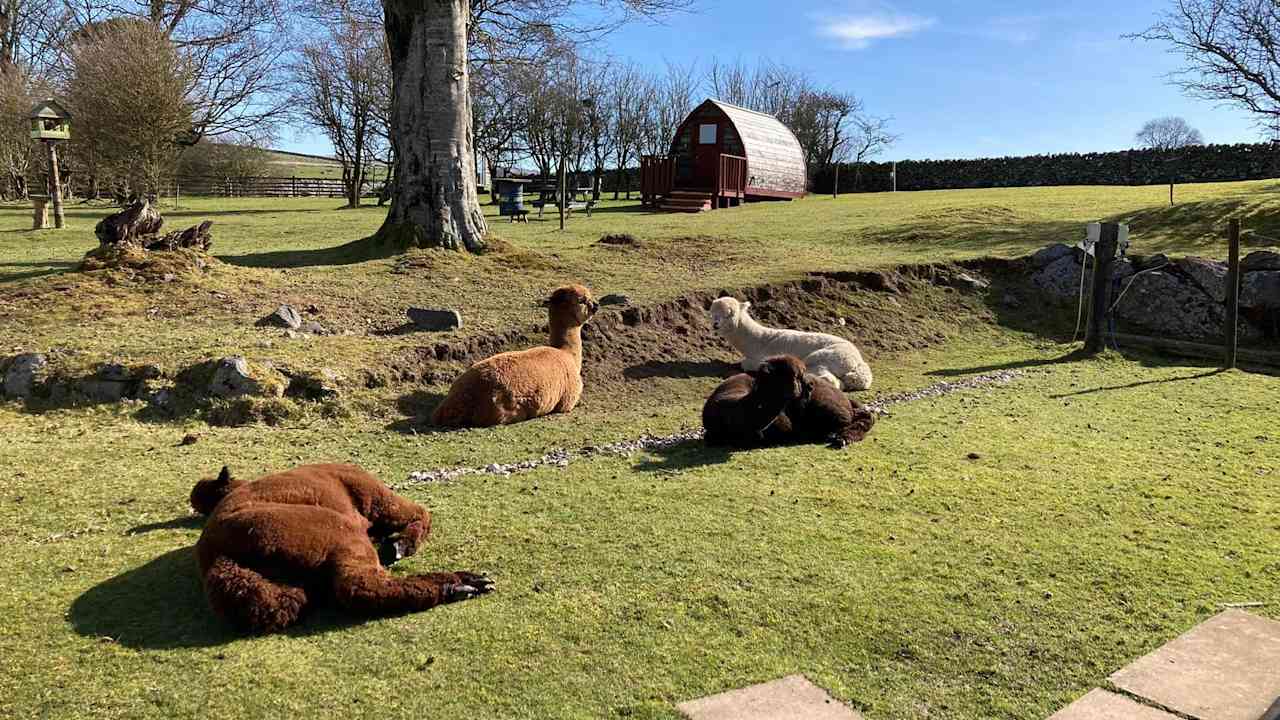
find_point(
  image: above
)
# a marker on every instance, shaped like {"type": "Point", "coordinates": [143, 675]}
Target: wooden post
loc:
{"type": "Point", "coordinates": [56, 181]}
{"type": "Point", "coordinates": [563, 188]}
{"type": "Point", "coordinates": [835, 184]}
{"type": "Point", "coordinates": [39, 212]}
{"type": "Point", "coordinates": [1231, 324]}
{"type": "Point", "coordinates": [1104, 257]}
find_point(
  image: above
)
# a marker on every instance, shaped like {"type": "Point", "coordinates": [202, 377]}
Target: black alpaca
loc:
{"type": "Point", "coordinates": [743, 408]}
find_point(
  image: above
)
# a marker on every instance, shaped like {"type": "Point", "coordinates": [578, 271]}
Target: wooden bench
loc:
{"type": "Point", "coordinates": [589, 205]}
{"type": "Point", "coordinates": [516, 216]}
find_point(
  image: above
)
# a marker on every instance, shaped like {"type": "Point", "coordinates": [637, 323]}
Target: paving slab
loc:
{"type": "Point", "coordinates": [791, 698]}
{"type": "Point", "coordinates": [1226, 668]}
{"type": "Point", "coordinates": [1103, 705]}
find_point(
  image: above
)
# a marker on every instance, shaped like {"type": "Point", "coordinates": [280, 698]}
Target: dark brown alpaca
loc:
{"type": "Point", "coordinates": [824, 415]}
{"type": "Point", "coordinates": [742, 408]}
{"type": "Point", "coordinates": [274, 547]}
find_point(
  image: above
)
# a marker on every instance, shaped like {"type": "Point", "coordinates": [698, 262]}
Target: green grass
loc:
{"type": "Point", "coordinates": [281, 164]}
{"type": "Point", "coordinates": [1115, 503]}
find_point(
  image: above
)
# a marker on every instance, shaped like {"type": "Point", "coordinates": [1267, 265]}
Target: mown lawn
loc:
{"type": "Point", "coordinates": [1113, 503]}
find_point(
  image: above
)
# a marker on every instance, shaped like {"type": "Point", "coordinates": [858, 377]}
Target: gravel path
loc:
{"type": "Point", "coordinates": [561, 457]}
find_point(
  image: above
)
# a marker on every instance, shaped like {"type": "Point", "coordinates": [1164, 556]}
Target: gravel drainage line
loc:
{"type": "Point", "coordinates": [561, 457]}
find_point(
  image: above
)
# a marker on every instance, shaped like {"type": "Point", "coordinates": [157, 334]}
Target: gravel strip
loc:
{"type": "Point", "coordinates": [561, 457]}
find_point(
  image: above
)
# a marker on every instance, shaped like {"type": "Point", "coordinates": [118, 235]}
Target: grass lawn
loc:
{"type": "Point", "coordinates": [1112, 505]}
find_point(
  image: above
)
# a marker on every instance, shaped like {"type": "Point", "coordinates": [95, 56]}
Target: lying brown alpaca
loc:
{"type": "Point", "coordinates": [824, 415]}
{"type": "Point", "coordinates": [516, 386]}
{"type": "Point", "coordinates": [744, 407]}
{"type": "Point", "coordinates": [275, 547]}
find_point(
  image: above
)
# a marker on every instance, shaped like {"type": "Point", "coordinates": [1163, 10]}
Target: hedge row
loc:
{"type": "Point", "coordinates": [1208, 163]}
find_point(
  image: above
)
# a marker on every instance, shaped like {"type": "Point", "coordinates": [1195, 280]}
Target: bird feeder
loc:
{"type": "Point", "coordinates": [50, 122]}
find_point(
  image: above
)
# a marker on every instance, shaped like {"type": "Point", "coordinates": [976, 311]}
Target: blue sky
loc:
{"type": "Point", "coordinates": [961, 79]}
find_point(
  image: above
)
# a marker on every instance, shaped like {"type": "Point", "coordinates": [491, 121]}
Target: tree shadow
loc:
{"type": "Point", "coordinates": [351, 253]}
{"type": "Point", "coordinates": [682, 369]}
{"type": "Point", "coordinates": [684, 456]}
{"type": "Point", "coordinates": [1140, 383]}
{"type": "Point", "coordinates": [51, 267]}
{"type": "Point", "coordinates": [1073, 356]}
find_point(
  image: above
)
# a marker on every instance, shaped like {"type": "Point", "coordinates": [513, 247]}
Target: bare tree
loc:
{"type": "Point", "coordinates": [1166, 136]}
{"type": "Point", "coordinates": [339, 83]}
{"type": "Point", "coordinates": [871, 136]}
{"type": "Point", "coordinates": [233, 47]}
{"type": "Point", "coordinates": [1229, 51]}
{"type": "Point", "coordinates": [31, 34]}
{"type": "Point", "coordinates": [670, 98]}
{"type": "Point", "coordinates": [17, 152]}
{"type": "Point", "coordinates": [626, 114]}
{"type": "Point", "coordinates": [130, 122]}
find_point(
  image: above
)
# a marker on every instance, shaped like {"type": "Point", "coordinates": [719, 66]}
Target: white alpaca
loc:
{"type": "Point", "coordinates": [831, 358]}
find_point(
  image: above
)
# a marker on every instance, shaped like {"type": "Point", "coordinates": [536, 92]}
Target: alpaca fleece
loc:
{"type": "Point", "coordinates": [828, 357]}
{"type": "Point", "coordinates": [824, 415]}
{"type": "Point", "coordinates": [741, 409]}
{"type": "Point", "coordinates": [516, 386]}
{"type": "Point", "coordinates": [275, 547]}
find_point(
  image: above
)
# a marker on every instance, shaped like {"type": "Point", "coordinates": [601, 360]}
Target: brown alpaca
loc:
{"type": "Point", "coordinates": [517, 386]}
{"type": "Point", "coordinates": [824, 415]}
{"type": "Point", "coordinates": [744, 407]}
{"type": "Point", "coordinates": [275, 547]}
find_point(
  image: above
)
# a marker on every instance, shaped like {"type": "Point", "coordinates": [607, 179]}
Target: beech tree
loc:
{"type": "Point", "coordinates": [435, 202]}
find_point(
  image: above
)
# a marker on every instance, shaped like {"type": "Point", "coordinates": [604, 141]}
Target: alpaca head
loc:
{"type": "Point", "coordinates": [727, 314]}
{"type": "Point", "coordinates": [573, 304]}
{"type": "Point", "coordinates": [206, 495]}
{"type": "Point", "coordinates": [783, 377]}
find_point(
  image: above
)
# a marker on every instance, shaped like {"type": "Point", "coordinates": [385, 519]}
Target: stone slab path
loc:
{"type": "Point", "coordinates": [791, 698]}
{"type": "Point", "coordinates": [1226, 668]}
{"type": "Point", "coordinates": [1103, 705]}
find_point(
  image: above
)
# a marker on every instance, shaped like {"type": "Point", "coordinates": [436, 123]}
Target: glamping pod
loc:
{"type": "Point", "coordinates": [722, 155]}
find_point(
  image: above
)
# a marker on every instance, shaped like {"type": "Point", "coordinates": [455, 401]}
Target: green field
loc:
{"type": "Point", "coordinates": [1111, 505]}
{"type": "Point", "coordinates": [285, 164]}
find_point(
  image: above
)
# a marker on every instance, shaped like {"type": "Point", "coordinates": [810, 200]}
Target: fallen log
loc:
{"type": "Point", "coordinates": [197, 237]}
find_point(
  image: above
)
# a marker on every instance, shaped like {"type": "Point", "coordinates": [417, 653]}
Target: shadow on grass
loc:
{"type": "Point", "coordinates": [161, 606]}
{"type": "Point", "coordinates": [684, 456]}
{"type": "Point", "coordinates": [680, 369]}
{"type": "Point", "coordinates": [185, 522]}
{"type": "Point", "coordinates": [156, 606]}
{"type": "Point", "coordinates": [1073, 356]}
{"type": "Point", "coordinates": [1141, 383]}
{"type": "Point", "coordinates": [50, 267]}
{"type": "Point", "coordinates": [417, 407]}
{"type": "Point", "coordinates": [356, 251]}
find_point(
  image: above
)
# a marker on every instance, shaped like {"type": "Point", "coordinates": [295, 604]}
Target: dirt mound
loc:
{"type": "Point", "coordinates": [136, 263]}
{"type": "Point", "coordinates": [883, 312]}
{"type": "Point", "coordinates": [622, 239]}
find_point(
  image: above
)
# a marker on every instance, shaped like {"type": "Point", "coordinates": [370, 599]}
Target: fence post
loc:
{"type": "Point", "coordinates": [1231, 324]}
{"type": "Point", "coordinates": [293, 186]}
{"type": "Point", "coordinates": [835, 184]}
{"type": "Point", "coordinates": [1104, 257]}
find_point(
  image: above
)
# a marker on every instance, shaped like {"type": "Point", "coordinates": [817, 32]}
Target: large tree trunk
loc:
{"type": "Point", "coordinates": [434, 201]}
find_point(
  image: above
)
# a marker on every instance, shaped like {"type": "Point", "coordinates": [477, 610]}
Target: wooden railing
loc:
{"type": "Point", "coordinates": [657, 177]}
{"type": "Point", "coordinates": [731, 176]}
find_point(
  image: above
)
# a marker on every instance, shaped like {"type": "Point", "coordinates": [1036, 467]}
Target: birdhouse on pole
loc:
{"type": "Point", "coordinates": [50, 121]}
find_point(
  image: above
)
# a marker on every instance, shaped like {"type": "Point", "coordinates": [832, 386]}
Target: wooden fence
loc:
{"type": "Point", "coordinates": [267, 187]}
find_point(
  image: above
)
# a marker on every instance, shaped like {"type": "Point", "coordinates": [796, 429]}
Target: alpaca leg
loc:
{"type": "Point", "coordinates": [856, 430]}
{"type": "Point", "coordinates": [251, 601]}
{"type": "Point", "coordinates": [361, 585]}
{"type": "Point", "coordinates": [859, 378]}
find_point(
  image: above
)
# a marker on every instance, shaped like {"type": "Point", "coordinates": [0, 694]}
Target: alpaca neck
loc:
{"type": "Point", "coordinates": [748, 327]}
{"type": "Point", "coordinates": [767, 411]}
{"type": "Point", "coordinates": [567, 337]}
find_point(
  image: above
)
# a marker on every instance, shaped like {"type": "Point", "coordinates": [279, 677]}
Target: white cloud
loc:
{"type": "Point", "coordinates": [855, 32]}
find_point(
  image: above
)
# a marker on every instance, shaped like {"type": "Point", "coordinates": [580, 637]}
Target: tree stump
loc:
{"type": "Point", "coordinates": [197, 237]}
{"type": "Point", "coordinates": [130, 225]}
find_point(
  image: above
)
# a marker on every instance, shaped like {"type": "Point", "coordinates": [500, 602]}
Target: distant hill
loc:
{"type": "Point", "coordinates": [283, 163]}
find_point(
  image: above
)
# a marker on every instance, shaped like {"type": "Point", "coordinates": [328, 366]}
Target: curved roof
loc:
{"type": "Point", "coordinates": [775, 159]}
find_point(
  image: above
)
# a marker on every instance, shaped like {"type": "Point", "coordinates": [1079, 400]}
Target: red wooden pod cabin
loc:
{"type": "Point", "coordinates": [722, 155]}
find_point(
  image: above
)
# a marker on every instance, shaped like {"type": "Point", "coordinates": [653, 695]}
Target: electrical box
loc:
{"type": "Point", "coordinates": [1093, 233]}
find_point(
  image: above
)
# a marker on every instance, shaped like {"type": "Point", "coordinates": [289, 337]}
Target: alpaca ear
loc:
{"type": "Point", "coordinates": [225, 475]}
